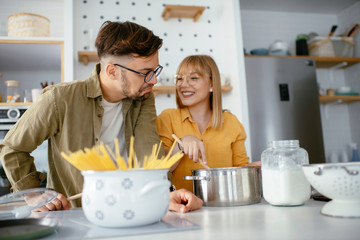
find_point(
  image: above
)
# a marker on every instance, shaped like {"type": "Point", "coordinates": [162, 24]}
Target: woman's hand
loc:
{"type": "Point", "coordinates": [183, 201]}
{"type": "Point", "coordinates": [59, 203]}
{"type": "Point", "coordinates": [253, 164]}
{"type": "Point", "coordinates": [194, 148]}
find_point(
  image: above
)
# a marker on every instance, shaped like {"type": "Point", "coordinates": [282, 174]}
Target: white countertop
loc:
{"type": "Point", "coordinates": [257, 221]}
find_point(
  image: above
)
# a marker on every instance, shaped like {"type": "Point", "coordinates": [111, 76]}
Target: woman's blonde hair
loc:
{"type": "Point", "coordinates": [205, 65]}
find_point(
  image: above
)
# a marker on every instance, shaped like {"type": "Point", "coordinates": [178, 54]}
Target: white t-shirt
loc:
{"type": "Point", "coordinates": [113, 126]}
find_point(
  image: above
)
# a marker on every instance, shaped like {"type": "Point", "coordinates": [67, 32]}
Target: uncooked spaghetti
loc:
{"type": "Point", "coordinates": [101, 158]}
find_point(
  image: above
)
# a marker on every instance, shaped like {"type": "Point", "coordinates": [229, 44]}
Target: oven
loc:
{"type": "Point", "coordinates": [9, 115]}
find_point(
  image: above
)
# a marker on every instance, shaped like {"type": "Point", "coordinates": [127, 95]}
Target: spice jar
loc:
{"type": "Point", "coordinates": [284, 182]}
{"type": "Point", "coordinates": [12, 91]}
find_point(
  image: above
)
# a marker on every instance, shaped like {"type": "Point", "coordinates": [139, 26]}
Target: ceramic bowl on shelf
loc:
{"type": "Point", "coordinates": [125, 198]}
{"type": "Point", "coordinates": [343, 89]}
{"type": "Point", "coordinates": [341, 183]}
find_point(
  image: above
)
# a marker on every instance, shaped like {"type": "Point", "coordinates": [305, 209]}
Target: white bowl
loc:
{"type": "Point", "coordinates": [125, 198]}
{"type": "Point", "coordinates": [341, 183]}
{"type": "Point", "coordinates": [343, 89]}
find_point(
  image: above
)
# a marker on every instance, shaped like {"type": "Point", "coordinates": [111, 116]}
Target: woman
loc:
{"type": "Point", "coordinates": [206, 131]}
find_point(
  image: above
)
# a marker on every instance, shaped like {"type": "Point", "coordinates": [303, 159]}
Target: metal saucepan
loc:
{"type": "Point", "coordinates": [229, 186]}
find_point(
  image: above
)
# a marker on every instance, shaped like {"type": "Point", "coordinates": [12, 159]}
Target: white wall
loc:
{"type": "Point", "coordinates": [53, 10]}
{"type": "Point", "coordinates": [261, 28]}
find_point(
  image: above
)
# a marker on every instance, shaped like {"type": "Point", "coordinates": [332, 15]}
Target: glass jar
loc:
{"type": "Point", "coordinates": [12, 91]}
{"type": "Point", "coordinates": [284, 182]}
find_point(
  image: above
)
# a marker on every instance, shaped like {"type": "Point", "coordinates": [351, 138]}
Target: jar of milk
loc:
{"type": "Point", "coordinates": [283, 180]}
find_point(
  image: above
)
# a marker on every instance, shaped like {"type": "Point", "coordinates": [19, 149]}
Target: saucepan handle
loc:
{"type": "Point", "coordinates": [199, 178]}
{"type": "Point", "coordinates": [320, 170]}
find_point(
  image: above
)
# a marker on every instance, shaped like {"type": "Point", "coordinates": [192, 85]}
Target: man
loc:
{"type": "Point", "coordinates": [116, 101]}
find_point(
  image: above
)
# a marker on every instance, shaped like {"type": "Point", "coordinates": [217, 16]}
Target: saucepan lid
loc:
{"type": "Point", "coordinates": [19, 205]}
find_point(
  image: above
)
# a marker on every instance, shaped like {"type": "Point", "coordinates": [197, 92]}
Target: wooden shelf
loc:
{"type": "Point", "coordinates": [171, 89]}
{"type": "Point", "coordinates": [91, 56]}
{"type": "Point", "coordinates": [321, 62]}
{"type": "Point", "coordinates": [163, 90]}
{"type": "Point", "coordinates": [328, 62]}
{"type": "Point", "coordinates": [180, 11]}
{"type": "Point", "coordinates": [88, 56]}
{"type": "Point", "coordinates": [157, 90]}
{"type": "Point", "coordinates": [339, 99]}
{"type": "Point", "coordinates": [15, 104]}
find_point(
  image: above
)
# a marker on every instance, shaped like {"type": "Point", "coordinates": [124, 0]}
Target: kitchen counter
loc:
{"type": "Point", "coordinates": [257, 221]}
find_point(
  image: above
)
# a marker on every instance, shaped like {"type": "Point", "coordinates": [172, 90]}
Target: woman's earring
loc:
{"type": "Point", "coordinates": [210, 89]}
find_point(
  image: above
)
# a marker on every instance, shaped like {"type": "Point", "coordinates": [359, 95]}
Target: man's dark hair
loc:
{"type": "Point", "coordinates": [125, 38]}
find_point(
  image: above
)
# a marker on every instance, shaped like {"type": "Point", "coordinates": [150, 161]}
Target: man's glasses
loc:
{"type": "Point", "coordinates": [147, 76]}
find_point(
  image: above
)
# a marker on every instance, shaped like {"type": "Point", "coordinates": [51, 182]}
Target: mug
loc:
{"type": "Point", "coordinates": [35, 92]}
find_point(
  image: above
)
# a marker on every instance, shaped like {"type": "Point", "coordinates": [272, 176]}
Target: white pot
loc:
{"type": "Point", "coordinates": [125, 198]}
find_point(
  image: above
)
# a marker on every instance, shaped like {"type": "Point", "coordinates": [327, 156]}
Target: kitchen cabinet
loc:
{"type": "Point", "coordinates": [181, 11]}
{"type": "Point", "coordinates": [28, 58]}
{"type": "Point", "coordinates": [91, 56]}
{"type": "Point", "coordinates": [329, 62]}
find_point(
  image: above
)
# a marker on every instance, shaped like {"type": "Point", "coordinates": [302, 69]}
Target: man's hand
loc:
{"type": "Point", "coordinates": [184, 201]}
{"type": "Point", "coordinates": [59, 203]}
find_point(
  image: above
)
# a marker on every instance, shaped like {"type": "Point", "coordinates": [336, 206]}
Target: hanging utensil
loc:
{"type": "Point", "coordinates": [352, 32]}
{"type": "Point", "coordinates": [333, 28]}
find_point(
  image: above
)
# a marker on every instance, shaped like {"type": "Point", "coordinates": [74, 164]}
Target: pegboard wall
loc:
{"type": "Point", "coordinates": [213, 34]}
{"type": "Point", "coordinates": [181, 36]}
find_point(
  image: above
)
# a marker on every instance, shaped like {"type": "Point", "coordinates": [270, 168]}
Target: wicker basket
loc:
{"type": "Point", "coordinates": [28, 25]}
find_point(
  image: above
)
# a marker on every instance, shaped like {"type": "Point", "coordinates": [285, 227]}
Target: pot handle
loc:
{"type": "Point", "coordinates": [152, 186]}
{"type": "Point", "coordinates": [197, 178]}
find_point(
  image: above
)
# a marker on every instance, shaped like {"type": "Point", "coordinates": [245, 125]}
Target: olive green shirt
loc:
{"type": "Point", "coordinates": [69, 116]}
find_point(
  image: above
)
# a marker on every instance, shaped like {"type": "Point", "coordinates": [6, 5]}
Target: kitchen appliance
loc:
{"type": "Point", "coordinates": [231, 186]}
{"type": "Point", "coordinates": [127, 198]}
{"type": "Point", "coordinates": [341, 183]}
{"type": "Point", "coordinates": [283, 103]}
{"type": "Point", "coordinates": [9, 115]}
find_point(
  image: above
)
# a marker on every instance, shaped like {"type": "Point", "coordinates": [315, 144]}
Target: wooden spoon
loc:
{"type": "Point", "coordinates": [73, 197]}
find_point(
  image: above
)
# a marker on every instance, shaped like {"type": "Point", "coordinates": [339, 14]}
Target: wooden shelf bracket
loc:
{"type": "Point", "coordinates": [180, 11]}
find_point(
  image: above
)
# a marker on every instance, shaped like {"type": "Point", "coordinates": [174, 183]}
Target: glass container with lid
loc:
{"type": "Point", "coordinates": [284, 182]}
{"type": "Point", "coordinates": [12, 91]}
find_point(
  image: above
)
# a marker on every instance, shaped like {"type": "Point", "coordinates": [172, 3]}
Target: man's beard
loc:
{"type": "Point", "coordinates": [126, 92]}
